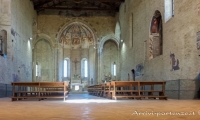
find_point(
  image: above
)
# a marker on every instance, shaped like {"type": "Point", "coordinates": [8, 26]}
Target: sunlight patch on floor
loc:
{"type": "Point", "coordinates": [90, 101]}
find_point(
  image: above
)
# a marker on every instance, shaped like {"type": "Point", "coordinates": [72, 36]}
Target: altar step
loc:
{"type": "Point", "coordinates": [78, 92]}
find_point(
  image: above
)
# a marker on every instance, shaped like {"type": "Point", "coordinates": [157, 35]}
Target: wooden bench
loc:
{"type": "Point", "coordinates": [132, 89]}
{"type": "Point", "coordinates": [39, 90]}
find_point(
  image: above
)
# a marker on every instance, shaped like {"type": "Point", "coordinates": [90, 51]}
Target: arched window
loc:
{"type": "Point", "coordinates": [155, 38]}
{"type": "Point", "coordinates": [85, 68]}
{"type": "Point", "coordinates": [114, 69]}
{"type": "Point", "coordinates": [3, 42]}
{"type": "Point", "coordinates": [169, 9]}
{"type": "Point", "coordinates": [36, 70]}
{"type": "Point", "coordinates": [66, 67]}
{"type": "Point", "coordinates": [84, 65]}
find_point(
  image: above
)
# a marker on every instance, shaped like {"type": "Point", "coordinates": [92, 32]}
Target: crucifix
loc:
{"type": "Point", "coordinates": [75, 65]}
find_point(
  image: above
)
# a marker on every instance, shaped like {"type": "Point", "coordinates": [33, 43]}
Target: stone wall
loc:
{"type": "Point", "coordinates": [179, 38]}
{"type": "Point", "coordinates": [16, 17]}
{"type": "Point", "coordinates": [109, 57]}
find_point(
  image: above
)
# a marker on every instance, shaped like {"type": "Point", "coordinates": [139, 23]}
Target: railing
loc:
{"type": "Point", "coordinates": [5, 90]}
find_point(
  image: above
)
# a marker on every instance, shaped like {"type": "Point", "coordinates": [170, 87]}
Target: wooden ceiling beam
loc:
{"type": "Point", "coordinates": [104, 0]}
{"type": "Point", "coordinates": [43, 3]}
{"type": "Point", "coordinates": [54, 4]}
{"type": "Point", "coordinates": [78, 9]}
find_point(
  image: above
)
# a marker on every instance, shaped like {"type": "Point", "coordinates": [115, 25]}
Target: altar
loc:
{"type": "Point", "coordinates": [77, 85]}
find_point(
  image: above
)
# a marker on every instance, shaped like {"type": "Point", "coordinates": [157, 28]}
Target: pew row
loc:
{"type": "Point", "coordinates": [130, 90]}
{"type": "Point", "coordinates": [39, 90]}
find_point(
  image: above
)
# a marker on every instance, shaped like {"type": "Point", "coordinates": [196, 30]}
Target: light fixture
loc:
{"type": "Point", "coordinates": [122, 41]}
{"type": "Point", "coordinates": [30, 38]}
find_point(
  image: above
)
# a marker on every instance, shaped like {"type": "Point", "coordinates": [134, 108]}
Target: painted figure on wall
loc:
{"type": "Point", "coordinates": [90, 39]}
{"type": "Point", "coordinates": [76, 41]}
{"type": "Point", "coordinates": [174, 62]}
{"type": "Point", "coordinates": [156, 23]}
{"type": "Point", "coordinates": [154, 28]}
{"type": "Point", "coordinates": [139, 69]}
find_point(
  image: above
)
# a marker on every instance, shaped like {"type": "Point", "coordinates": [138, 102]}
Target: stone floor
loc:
{"type": "Point", "coordinates": [86, 107]}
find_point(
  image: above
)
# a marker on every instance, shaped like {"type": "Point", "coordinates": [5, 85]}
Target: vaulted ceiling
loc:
{"type": "Point", "coordinates": [77, 8]}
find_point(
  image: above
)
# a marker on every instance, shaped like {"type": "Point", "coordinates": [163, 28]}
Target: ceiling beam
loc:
{"type": "Point", "coordinates": [104, 0]}
{"type": "Point", "coordinates": [54, 4]}
{"type": "Point", "coordinates": [42, 3]}
{"type": "Point", "coordinates": [78, 9]}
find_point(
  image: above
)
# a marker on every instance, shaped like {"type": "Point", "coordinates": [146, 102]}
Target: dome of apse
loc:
{"type": "Point", "coordinates": [77, 34]}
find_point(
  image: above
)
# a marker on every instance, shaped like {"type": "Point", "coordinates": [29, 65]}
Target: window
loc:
{"type": "Point", "coordinates": [114, 69]}
{"type": "Point", "coordinates": [169, 9]}
{"type": "Point", "coordinates": [66, 67]}
{"type": "Point", "coordinates": [172, 8]}
{"type": "Point", "coordinates": [36, 70]}
{"type": "Point", "coordinates": [85, 68]}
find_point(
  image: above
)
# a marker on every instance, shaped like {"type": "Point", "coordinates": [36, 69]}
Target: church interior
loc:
{"type": "Point", "coordinates": [112, 59]}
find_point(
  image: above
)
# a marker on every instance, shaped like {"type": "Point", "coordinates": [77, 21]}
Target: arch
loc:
{"type": "Point", "coordinates": [43, 54]}
{"type": "Point", "coordinates": [3, 44]}
{"type": "Point", "coordinates": [45, 38]}
{"type": "Point", "coordinates": [76, 34]}
{"type": "Point", "coordinates": [106, 38]}
{"type": "Point", "coordinates": [63, 27]}
{"type": "Point", "coordinates": [156, 35]}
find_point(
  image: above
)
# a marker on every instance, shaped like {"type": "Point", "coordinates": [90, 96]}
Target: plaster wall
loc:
{"type": "Point", "coordinates": [16, 17]}
{"type": "Point", "coordinates": [179, 37]}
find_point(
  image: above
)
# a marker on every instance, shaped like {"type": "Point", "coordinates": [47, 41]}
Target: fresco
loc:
{"type": "Point", "coordinates": [76, 34]}
{"type": "Point", "coordinates": [139, 69]}
{"type": "Point", "coordinates": [15, 78]}
{"type": "Point", "coordinates": [174, 62]}
{"type": "Point", "coordinates": [156, 23]}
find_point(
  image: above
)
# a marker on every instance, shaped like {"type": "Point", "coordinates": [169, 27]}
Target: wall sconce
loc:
{"type": "Point", "coordinates": [1, 45]}
{"type": "Point", "coordinates": [30, 38]}
{"type": "Point", "coordinates": [122, 41]}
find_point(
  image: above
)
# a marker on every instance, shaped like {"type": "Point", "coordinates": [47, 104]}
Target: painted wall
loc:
{"type": "Point", "coordinates": [179, 38]}
{"type": "Point", "coordinates": [16, 17]}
